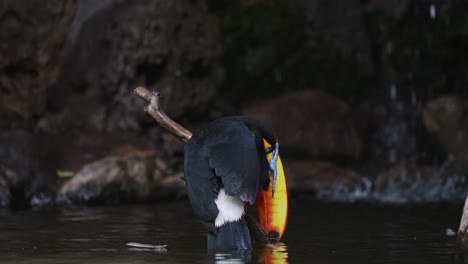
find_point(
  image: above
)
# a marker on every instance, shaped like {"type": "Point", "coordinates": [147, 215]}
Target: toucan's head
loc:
{"type": "Point", "coordinates": [272, 202]}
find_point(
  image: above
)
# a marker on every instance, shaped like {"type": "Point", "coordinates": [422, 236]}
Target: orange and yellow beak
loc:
{"type": "Point", "coordinates": [273, 209]}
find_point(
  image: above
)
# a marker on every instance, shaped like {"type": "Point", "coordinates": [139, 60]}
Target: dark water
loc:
{"type": "Point", "coordinates": [317, 233]}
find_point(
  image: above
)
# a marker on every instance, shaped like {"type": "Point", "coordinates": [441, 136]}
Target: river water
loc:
{"type": "Point", "coordinates": [317, 233]}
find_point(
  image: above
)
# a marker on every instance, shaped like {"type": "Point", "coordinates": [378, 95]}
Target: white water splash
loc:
{"type": "Point", "coordinates": [393, 92]}
{"type": "Point", "coordinates": [404, 188]}
{"type": "Point", "coordinates": [449, 232]}
{"type": "Point", "coordinates": [342, 192]}
{"type": "Point", "coordinates": [422, 189]}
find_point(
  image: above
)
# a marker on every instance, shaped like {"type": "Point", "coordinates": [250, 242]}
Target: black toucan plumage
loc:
{"type": "Point", "coordinates": [225, 167]}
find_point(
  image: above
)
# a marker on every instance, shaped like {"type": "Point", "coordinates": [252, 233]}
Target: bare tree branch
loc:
{"type": "Point", "coordinates": [155, 110]}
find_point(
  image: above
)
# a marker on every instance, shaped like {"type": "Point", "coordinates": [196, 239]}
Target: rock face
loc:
{"type": "Point", "coordinates": [373, 80]}
{"type": "Point", "coordinates": [311, 122]}
{"type": "Point", "coordinates": [445, 118]}
{"type": "Point", "coordinates": [169, 45]}
{"type": "Point", "coordinates": [32, 38]}
{"type": "Point", "coordinates": [259, 58]}
{"type": "Point", "coordinates": [132, 176]}
{"type": "Point", "coordinates": [463, 231]}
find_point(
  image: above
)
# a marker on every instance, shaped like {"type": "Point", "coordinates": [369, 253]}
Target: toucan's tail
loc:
{"type": "Point", "coordinates": [230, 236]}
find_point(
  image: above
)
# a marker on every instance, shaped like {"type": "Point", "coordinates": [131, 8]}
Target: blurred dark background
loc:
{"type": "Point", "coordinates": [368, 97]}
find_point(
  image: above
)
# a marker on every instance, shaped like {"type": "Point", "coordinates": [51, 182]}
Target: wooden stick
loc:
{"type": "Point", "coordinates": [154, 109]}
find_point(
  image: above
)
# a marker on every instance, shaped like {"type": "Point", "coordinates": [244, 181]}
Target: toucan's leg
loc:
{"type": "Point", "coordinates": [230, 236]}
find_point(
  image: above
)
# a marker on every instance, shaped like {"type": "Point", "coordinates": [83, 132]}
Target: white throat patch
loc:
{"type": "Point", "coordinates": [230, 208]}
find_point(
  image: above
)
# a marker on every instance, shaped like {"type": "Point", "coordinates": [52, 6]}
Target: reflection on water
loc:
{"type": "Point", "coordinates": [233, 257]}
{"type": "Point", "coordinates": [273, 254]}
{"type": "Point", "coordinates": [265, 254]}
{"type": "Point", "coordinates": [317, 233]}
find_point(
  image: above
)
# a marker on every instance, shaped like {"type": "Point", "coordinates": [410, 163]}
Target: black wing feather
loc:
{"type": "Point", "coordinates": [226, 154]}
{"type": "Point", "coordinates": [233, 156]}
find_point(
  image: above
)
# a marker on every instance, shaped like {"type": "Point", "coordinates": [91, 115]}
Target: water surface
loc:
{"type": "Point", "coordinates": [317, 233]}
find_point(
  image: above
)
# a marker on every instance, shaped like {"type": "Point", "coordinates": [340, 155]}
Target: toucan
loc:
{"type": "Point", "coordinates": [230, 164]}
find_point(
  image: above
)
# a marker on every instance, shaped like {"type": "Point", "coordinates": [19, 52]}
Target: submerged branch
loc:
{"type": "Point", "coordinates": [155, 110]}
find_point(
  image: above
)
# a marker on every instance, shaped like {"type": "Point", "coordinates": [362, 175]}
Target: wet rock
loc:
{"type": "Point", "coordinates": [406, 182]}
{"type": "Point", "coordinates": [461, 255]}
{"type": "Point", "coordinates": [311, 122]}
{"type": "Point", "coordinates": [24, 180]}
{"type": "Point", "coordinates": [124, 44]}
{"type": "Point", "coordinates": [326, 181]}
{"type": "Point", "coordinates": [33, 166]}
{"type": "Point", "coordinates": [463, 232]}
{"type": "Point", "coordinates": [128, 176]}
{"type": "Point", "coordinates": [445, 118]}
{"type": "Point", "coordinates": [32, 37]}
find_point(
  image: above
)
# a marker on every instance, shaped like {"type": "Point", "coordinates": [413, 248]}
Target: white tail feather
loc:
{"type": "Point", "coordinates": [230, 208]}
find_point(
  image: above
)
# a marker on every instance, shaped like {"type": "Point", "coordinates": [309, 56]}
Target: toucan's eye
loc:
{"type": "Point", "coordinates": [269, 150]}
